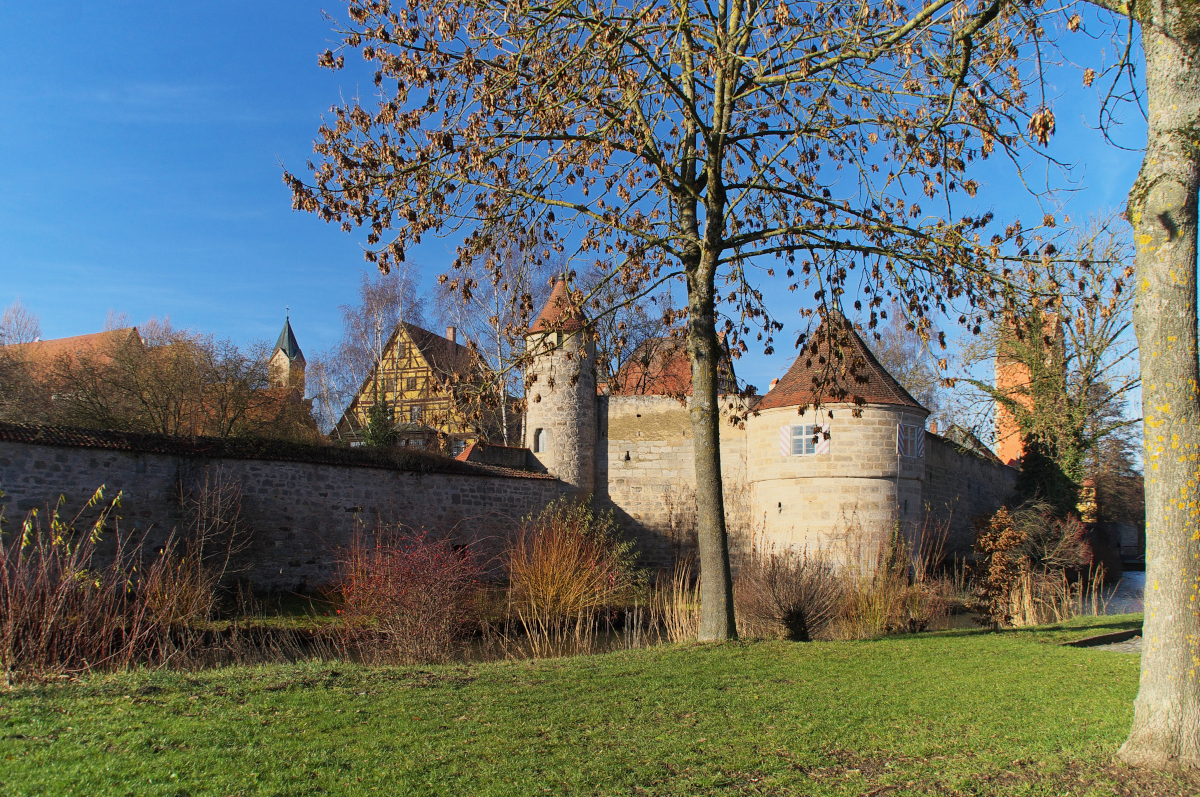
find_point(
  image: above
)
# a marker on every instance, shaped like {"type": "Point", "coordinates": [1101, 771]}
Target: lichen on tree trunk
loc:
{"type": "Point", "coordinates": [1163, 212]}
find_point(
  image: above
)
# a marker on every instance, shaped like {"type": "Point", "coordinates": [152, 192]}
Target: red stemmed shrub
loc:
{"type": "Point", "coordinates": [405, 597]}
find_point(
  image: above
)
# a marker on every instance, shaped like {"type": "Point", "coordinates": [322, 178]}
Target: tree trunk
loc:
{"type": "Point", "coordinates": [716, 587]}
{"type": "Point", "coordinates": [1162, 210]}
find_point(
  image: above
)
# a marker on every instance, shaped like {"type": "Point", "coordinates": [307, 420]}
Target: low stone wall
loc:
{"type": "Point", "coordinates": [298, 515]}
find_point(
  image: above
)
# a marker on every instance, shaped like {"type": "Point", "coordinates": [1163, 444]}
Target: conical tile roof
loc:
{"type": "Point", "coordinates": [559, 315]}
{"type": "Point", "coordinates": [287, 342]}
{"type": "Point", "coordinates": [836, 367]}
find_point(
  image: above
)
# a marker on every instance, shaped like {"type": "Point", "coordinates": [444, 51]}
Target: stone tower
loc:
{"type": "Point", "coordinates": [560, 416]}
{"type": "Point", "coordinates": [286, 367]}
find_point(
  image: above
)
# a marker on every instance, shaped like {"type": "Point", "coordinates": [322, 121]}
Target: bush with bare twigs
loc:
{"type": "Point", "coordinates": [62, 614]}
{"type": "Point", "coordinates": [406, 597]}
{"type": "Point", "coordinates": [566, 566]}
{"type": "Point", "coordinates": [787, 594]}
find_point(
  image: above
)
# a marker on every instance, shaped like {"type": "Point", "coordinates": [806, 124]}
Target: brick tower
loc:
{"type": "Point", "coordinates": [560, 415]}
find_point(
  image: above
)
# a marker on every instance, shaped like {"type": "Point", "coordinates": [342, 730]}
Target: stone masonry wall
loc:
{"type": "Point", "coordinates": [299, 515]}
{"type": "Point", "coordinates": [961, 486]}
{"type": "Point", "coordinates": [812, 501]}
{"type": "Point", "coordinates": [645, 473]}
{"type": "Point", "coordinates": [562, 401]}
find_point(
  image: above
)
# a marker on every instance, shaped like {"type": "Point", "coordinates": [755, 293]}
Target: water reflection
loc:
{"type": "Point", "coordinates": [1127, 596]}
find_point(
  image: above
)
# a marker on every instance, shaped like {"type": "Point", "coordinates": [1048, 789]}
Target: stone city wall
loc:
{"type": "Point", "coordinates": [299, 516]}
{"type": "Point", "coordinates": [861, 486]}
{"type": "Point", "coordinates": [645, 473]}
{"type": "Point", "coordinates": [961, 486]}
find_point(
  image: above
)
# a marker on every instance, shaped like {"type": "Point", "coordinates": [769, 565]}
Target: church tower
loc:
{"type": "Point", "coordinates": [286, 366]}
{"type": "Point", "coordinates": [560, 397]}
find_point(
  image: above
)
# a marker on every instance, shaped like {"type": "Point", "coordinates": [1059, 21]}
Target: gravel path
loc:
{"type": "Point", "coordinates": [1128, 646]}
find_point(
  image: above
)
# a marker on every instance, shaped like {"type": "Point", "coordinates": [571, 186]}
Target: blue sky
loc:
{"type": "Point", "coordinates": [140, 168]}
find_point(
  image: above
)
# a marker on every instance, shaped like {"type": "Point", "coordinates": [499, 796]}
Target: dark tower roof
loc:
{"type": "Point", "coordinates": [287, 342]}
{"type": "Point", "coordinates": [559, 315]}
{"type": "Point", "coordinates": [837, 367]}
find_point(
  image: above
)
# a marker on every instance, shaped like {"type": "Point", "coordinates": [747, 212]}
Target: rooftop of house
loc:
{"type": "Point", "coordinates": [46, 352]}
{"type": "Point", "coordinates": [835, 366]}
{"type": "Point", "coordinates": [444, 356]}
{"type": "Point", "coordinates": [661, 367]}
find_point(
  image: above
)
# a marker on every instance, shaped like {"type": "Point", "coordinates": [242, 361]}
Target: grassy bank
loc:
{"type": "Point", "coordinates": [953, 713]}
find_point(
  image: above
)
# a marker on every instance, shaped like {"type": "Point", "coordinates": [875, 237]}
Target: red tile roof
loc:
{"type": "Point", "coordinates": [835, 366]}
{"type": "Point", "coordinates": [661, 367]}
{"type": "Point", "coordinates": [45, 353]}
{"type": "Point", "coordinates": [560, 314]}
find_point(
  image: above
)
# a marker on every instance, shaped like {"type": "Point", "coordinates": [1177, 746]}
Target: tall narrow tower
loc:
{"type": "Point", "coordinates": [286, 367]}
{"type": "Point", "coordinates": [560, 415]}
{"type": "Point", "coordinates": [1015, 380]}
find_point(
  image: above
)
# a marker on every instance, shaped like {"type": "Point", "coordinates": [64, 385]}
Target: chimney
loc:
{"type": "Point", "coordinates": [451, 334]}
{"type": "Point", "coordinates": [774, 382]}
{"type": "Point", "coordinates": [933, 427]}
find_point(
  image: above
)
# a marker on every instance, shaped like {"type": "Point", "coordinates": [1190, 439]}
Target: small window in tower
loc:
{"type": "Point", "coordinates": [805, 439]}
{"type": "Point", "coordinates": [539, 441]}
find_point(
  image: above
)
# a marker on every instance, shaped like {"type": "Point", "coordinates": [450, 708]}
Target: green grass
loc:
{"type": "Point", "coordinates": [960, 712]}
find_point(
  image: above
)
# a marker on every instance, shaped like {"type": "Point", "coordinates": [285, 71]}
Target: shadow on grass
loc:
{"type": "Point", "coordinates": [1079, 626]}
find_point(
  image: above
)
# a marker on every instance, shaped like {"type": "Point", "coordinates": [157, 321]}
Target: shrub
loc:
{"type": "Point", "coordinates": [60, 614]}
{"type": "Point", "coordinates": [867, 585]}
{"type": "Point", "coordinates": [787, 594]}
{"type": "Point", "coordinates": [1027, 556]}
{"type": "Point", "coordinates": [406, 597]}
{"type": "Point", "coordinates": [565, 566]}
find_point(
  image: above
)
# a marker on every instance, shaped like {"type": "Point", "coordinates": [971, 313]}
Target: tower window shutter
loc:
{"type": "Point", "coordinates": [823, 439]}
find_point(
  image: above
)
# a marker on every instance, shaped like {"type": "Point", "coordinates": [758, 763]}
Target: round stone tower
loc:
{"type": "Point", "coordinates": [560, 415]}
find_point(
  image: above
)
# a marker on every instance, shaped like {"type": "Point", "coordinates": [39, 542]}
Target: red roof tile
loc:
{"type": "Point", "coordinates": [45, 353]}
{"type": "Point", "coordinates": [835, 366]}
{"type": "Point", "coordinates": [661, 367]}
{"type": "Point", "coordinates": [559, 314]}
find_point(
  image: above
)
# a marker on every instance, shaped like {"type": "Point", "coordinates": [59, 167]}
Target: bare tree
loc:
{"type": "Point", "coordinates": [173, 382]}
{"type": "Point", "coordinates": [335, 376]}
{"type": "Point", "coordinates": [905, 355]}
{"type": "Point", "coordinates": [492, 298]}
{"type": "Point", "coordinates": [19, 325]}
{"type": "Point", "coordinates": [687, 141]}
{"type": "Point", "coordinates": [1066, 325]}
{"type": "Point", "coordinates": [629, 327]}
{"type": "Point", "coordinates": [22, 399]}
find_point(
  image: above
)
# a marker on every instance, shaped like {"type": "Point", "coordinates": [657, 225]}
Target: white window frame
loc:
{"type": "Point", "coordinates": [803, 438]}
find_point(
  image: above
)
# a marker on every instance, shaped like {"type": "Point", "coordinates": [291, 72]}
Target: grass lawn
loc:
{"type": "Point", "coordinates": [959, 712]}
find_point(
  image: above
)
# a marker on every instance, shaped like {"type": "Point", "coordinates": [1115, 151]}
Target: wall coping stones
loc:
{"type": "Point", "coordinates": [252, 448]}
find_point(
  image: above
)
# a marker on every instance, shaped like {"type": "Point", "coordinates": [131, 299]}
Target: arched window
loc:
{"type": "Point", "coordinates": [539, 441]}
